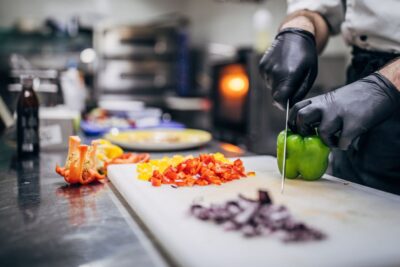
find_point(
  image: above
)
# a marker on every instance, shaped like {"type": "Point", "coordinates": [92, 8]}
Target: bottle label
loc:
{"type": "Point", "coordinates": [28, 130]}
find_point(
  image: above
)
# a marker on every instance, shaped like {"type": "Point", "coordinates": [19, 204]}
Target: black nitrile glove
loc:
{"type": "Point", "coordinates": [344, 114]}
{"type": "Point", "coordinates": [290, 65]}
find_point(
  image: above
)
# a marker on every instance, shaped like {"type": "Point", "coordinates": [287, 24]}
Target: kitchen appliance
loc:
{"type": "Point", "coordinates": [124, 77]}
{"type": "Point", "coordinates": [243, 112]}
{"type": "Point", "coordinates": [361, 223]}
{"type": "Point", "coordinates": [141, 62]}
{"type": "Point", "coordinates": [230, 89]}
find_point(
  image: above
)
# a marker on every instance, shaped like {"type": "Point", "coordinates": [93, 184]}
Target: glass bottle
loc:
{"type": "Point", "coordinates": [27, 119]}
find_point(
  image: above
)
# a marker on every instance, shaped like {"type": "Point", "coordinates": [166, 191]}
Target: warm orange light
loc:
{"type": "Point", "coordinates": [234, 82]}
{"type": "Point", "coordinates": [231, 148]}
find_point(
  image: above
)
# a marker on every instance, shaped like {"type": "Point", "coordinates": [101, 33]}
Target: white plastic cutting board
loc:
{"type": "Point", "coordinates": [362, 224]}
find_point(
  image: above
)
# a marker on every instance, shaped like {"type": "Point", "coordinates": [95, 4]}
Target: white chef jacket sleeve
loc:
{"type": "Point", "coordinates": [331, 10]}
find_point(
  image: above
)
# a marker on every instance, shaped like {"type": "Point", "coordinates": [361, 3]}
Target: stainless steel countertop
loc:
{"type": "Point", "coordinates": [45, 222]}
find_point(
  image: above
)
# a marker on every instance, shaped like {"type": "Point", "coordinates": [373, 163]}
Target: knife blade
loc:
{"type": "Point", "coordinates": [284, 148]}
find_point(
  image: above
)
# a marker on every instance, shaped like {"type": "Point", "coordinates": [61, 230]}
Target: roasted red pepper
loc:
{"type": "Point", "coordinates": [80, 166]}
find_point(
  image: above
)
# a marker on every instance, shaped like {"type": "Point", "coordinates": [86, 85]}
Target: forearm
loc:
{"type": "Point", "coordinates": [309, 21]}
{"type": "Point", "coordinates": [392, 72]}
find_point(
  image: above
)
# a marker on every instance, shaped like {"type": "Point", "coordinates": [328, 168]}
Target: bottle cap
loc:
{"type": "Point", "coordinates": [26, 80]}
{"type": "Point", "coordinates": [29, 81]}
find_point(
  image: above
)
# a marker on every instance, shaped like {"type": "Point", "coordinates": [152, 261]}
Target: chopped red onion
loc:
{"type": "Point", "coordinates": [257, 217]}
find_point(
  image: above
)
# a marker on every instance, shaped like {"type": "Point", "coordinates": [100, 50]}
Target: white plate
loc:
{"type": "Point", "coordinates": [160, 139]}
{"type": "Point", "coordinates": [121, 105]}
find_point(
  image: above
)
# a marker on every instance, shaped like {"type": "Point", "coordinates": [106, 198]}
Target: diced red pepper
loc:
{"type": "Point", "coordinates": [203, 170]}
{"type": "Point", "coordinates": [156, 182]}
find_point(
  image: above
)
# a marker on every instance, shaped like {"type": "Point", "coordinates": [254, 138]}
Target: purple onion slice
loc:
{"type": "Point", "coordinates": [257, 217]}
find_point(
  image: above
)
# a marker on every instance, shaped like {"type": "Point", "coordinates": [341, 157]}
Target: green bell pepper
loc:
{"type": "Point", "coordinates": [305, 156]}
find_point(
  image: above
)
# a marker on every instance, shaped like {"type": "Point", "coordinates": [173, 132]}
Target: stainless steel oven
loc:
{"type": "Point", "coordinates": [242, 111]}
{"type": "Point", "coordinates": [146, 77]}
{"type": "Point", "coordinates": [138, 61]}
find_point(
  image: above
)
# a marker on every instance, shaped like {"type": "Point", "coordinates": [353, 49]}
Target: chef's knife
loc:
{"type": "Point", "coordinates": [284, 148]}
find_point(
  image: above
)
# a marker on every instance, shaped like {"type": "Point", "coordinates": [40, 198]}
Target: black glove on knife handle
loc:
{"type": "Point", "coordinates": [344, 114]}
{"type": "Point", "coordinates": [290, 65]}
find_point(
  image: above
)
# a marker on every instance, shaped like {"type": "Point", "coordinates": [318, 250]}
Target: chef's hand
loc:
{"type": "Point", "coordinates": [344, 114]}
{"type": "Point", "coordinates": [290, 65]}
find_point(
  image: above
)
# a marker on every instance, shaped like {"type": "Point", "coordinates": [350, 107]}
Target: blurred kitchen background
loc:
{"type": "Point", "coordinates": [149, 63]}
